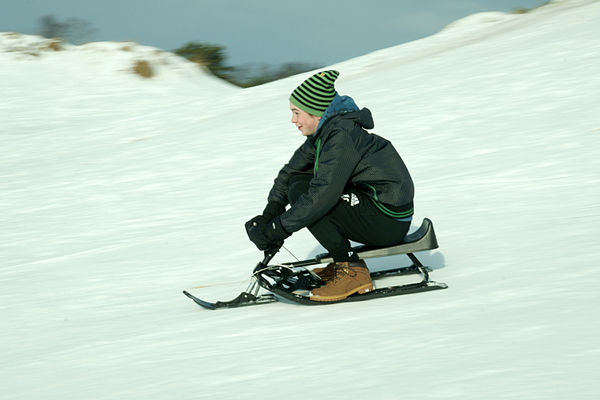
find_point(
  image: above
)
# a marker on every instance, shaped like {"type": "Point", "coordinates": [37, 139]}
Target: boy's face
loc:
{"type": "Point", "coordinates": [306, 123]}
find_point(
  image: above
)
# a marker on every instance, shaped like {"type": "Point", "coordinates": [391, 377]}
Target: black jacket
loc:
{"type": "Point", "coordinates": [343, 155]}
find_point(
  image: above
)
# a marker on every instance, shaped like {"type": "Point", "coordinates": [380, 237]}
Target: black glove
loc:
{"type": "Point", "coordinates": [259, 219]}
{"type": "Point", "coordinates": [272, 210]}
{"type": "Point", "coordinates": [266, 236]}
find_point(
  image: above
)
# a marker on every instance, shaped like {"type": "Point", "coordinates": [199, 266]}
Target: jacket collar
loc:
{"type": "Point", "coordinates": [339, 105]}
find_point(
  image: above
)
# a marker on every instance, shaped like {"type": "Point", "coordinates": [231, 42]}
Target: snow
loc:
{"type": "Point", "coordinates": [118, 192]}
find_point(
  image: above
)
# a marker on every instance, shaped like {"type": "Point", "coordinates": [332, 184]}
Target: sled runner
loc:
{"type": "Point", "coordinates": [290, 281]}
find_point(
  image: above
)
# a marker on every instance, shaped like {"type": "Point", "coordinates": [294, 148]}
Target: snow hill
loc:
{"type": "Point", "coordinates": [118, 191]}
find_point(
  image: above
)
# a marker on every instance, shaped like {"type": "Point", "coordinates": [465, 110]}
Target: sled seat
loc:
{"type": "Point", "coordinates": [420, 240]}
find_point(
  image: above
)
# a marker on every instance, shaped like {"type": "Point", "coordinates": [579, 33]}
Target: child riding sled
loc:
{"type": "Point", "coordinates": [343, 183]}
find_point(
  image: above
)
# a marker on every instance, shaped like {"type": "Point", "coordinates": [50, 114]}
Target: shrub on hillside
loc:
{"type": "Point", "coordinates": [210, 56]}
{"type": "Point", "coordinates": [55, 44]}
{"type": "Point", "coordinates": [524, 10]}
{"type": "Point", "coordinates": [73, 30]}
{"type": "Point", "coordinates": [143, 69]}
{"type": "Point", "coordinates": [254, 75]}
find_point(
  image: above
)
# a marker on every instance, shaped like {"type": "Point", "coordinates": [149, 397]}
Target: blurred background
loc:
{"type": "Point", "coordinates": [248, 43]}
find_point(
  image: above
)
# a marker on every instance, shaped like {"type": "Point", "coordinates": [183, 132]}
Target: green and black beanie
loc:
{"type": "Point", "coordinates": [315, 93]}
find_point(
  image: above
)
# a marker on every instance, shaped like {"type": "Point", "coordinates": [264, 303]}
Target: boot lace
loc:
{"type": "Point", "coordinates": [341, 270]}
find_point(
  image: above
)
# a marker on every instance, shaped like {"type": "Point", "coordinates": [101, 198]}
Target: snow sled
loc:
{"type": "Point", "coordinates": [292, 281]}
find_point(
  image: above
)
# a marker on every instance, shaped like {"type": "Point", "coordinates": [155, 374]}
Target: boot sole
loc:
{"type": "Point", "coordinates": [360, 290]}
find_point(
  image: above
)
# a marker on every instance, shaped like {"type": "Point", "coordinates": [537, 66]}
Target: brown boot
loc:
{"type": "Point", "coordinates": [349, 278]}
{"type": "Point", "coordinates": [325, 273]}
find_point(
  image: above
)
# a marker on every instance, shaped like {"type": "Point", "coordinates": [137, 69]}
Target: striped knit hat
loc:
{"type": "Point", "coordinates": [314, 94]}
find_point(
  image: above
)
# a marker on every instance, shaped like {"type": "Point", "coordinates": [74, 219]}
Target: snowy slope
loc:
{"type": "Point", "coordinates": [117, 192]}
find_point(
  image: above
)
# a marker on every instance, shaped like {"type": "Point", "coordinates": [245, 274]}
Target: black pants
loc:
{"type": "Point", "coordinates": [348, 220]}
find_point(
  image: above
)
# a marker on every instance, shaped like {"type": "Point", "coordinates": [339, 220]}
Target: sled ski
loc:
{"type": "Point", "coordinates": [244, 299]}
{"type": "Point", "coordinates": [248, 299]}
{"type": "Point", "coordinates": [288, 281]}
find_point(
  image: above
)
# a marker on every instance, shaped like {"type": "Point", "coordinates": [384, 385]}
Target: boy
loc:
{"type": "Point", "coordinates": [342, 183]}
